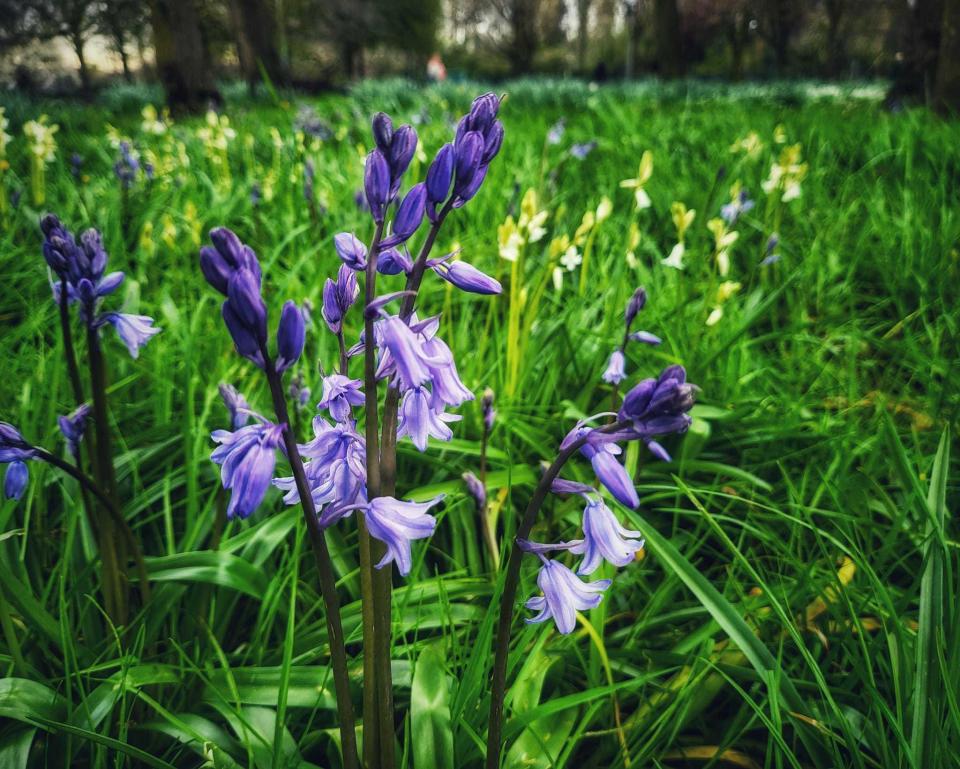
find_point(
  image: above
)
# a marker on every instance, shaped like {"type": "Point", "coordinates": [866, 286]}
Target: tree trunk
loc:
{"type": "Point", "coordinates": [946, 95]}
{"type": "Point", "coordinates": [256, 27]}
{"type": "Point", "coordinates": [78, 43]}
{"type": "Point", "coordinates": [835, 46]}
{"type": "Point", "coordinates": [583, 20]}
{"type": "Point", "coordinates": [666, 24]}
{"type": "Point", "coordinates": [523, 43]}
{"type": "Point", "coordinates": [181, 55]}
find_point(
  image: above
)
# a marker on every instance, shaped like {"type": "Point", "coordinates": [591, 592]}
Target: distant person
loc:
{"type": "Point", "coordinates": [436, 71]}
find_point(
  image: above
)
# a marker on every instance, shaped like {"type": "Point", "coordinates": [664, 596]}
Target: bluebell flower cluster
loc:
{"type": "Point", "coordinates": [81, 268]}
{"type": "Point", "coordinates": [654, 407]}
{"type": "Point", "coordinates": [616, 370]}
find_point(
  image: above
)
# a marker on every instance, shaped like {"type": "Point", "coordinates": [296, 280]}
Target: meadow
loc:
{"type": "Point", "coordinates": [796, 603]}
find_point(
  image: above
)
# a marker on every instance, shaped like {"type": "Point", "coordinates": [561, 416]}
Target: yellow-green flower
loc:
{"type": "Point", "coordinates": [637, 184]}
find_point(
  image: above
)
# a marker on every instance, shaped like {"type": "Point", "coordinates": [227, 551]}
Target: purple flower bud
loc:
{"type": "Point", "coordinates": [382, 131]}
{"type": "Point", "coordinates": [350, 250]}
{"type": "Point", "coordinates": [243, 338]}
{"type": "Point", "coordinates": [72, 427]}
{"type": "Point", "coordinates": [243, 292]}
{"type": "Point", "coordinates": [486, 408]}
{"type": "Point", "coordinates": [291, 334]}
{"type": "Point", "coordinates": [376, 184]}
{"type": "Point", "coordinates": [564, 486]}
{"type": "Point", "coordinates": [215, 269]}
{"type": "Point", "coordinates": [659, 406]}
{"type": "Point", "coordinates": [16, 479]}
{"type": "Point", "coordinates": [409, 215]}
{"type": "Point", "coordinates": [476, 490]}
{"type": "Point", "coordinates": [402, 147]}
{"type": "Point", "coordinates": [469, 156]}
{"type": "Point", "coordinates": [611, 473]}
{"type": "Point", "coordinates": [92, 242]}
{"type": "Point", "coordinates": [467, 192]}
{"type": "Point", "coordinates": [440, 174]}
{"type": "Point", "coordinates": [236, 404]}
{"type": "Point", "coordinates": [330, 309]}
{"type": "Point", "coordinates": [636, 303]}
{"type": "Point", "coordinates": [228, 245]}
{"type": "Point", "coordinates": [467, 277]}
{"type": "Point", "coordinates": [483, 111]}
{"type": "Point", "coordinates": [392, 261]}
{"type": "Point", "coordinates": [492, 142]}
{"type": "Point", "coordinates": [645, 337]}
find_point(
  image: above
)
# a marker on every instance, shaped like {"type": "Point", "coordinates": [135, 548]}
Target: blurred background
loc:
{"type": "Point", "coordinates": [77, 46]}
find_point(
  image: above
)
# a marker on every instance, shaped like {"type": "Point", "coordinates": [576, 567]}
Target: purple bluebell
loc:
{"type": "Point", "coordinates": [236, 404]}
{"type": "Point", "coordinates": [402, 353]}
{"type": "Point", "coordinates": [564, 594]}
{"type": "Point", "coordinates": [645, 337]}
{"type": "Point", "coordinates": [256, 194]}
{"type": "Point", "coordinates": [134, 330]}
{"type": "Point", "coordinates": [397, 524]}
{"type": "Point", "coordinates": [351, 250]}
{"type": "Point", "coordinates": [408, 217]}
{"type": "Point", "coordinates": [479, 137]}
{"type": "Point", "coordinates": [476, 490]}
{"type": "Point", "coordinates": [466, 277]}
{"type": "Point", "coordinates": [338, 297]}
{"type": "Point", "coordinates": [291, 335]}
{"type": "Point", "coordinates": [393, 261]}
{"type": "Point", "coordinates": [580, 151]}
{"type": "Point", "coordinates": [76, 166]}
{"type": "Point", "coordinates": [15, 480]}
{"type": "Point", "coordinates": [60, 249]}
{"type": "Point", "coordinates": [126, 166]}
{"type": "Point", "coordinates": [638, 301]}
{"type": "Point", "coordinates": [72, 427]}
{"type": "Point", "coordinates": [13, 446]}
{"type": "Point", "coordinates": [247, 458]}
{"type": "Point", "coordinates": [736, 208]}
{"type": "Point", "coordinates": [615, 372]}
{"type": "Point", "coordinates": [604, 538]}
{"type": "Point", "coordinates": [335, 467]}
{"type": "Point", "coordinates": [420, 420]}
{"type": "Point", "coordinates": [469, 157]}
{"type": "Point", "coordinates": [382, 127]}
{"type": "Point", "coordinates": [439, 178]}
{"type": "Point", "coordinates": [299, 392]}
{"type": "Point", "coordinates": [447, 387]}
{"type": "Point", "coordinates": [612, 474]}
{"type": "Point", "coordinates": [555, 134]}
{"type": "Point", "coordinates": [487, 410]}
{"type": "Point", "coordinates": [659, 406]}
{"type": "Point", "coordinates": [227, 256]}
{"type": "Point", "coordinates": [565, 486]}
{"type": "Point", "coordinates": [310, 123]}
{"type": "Point", "coordinates": [340, 395]}
{"type": "Point", "coordinates": [376, 184]}
{"type": "Point", "coordinates": [771, 256]}
{"type": "Point", "coordinates": [403, 145]}
{"type": "Point", "coordinates": [244, 340]}
{"type": "Point", "coordinates": [245, 301]}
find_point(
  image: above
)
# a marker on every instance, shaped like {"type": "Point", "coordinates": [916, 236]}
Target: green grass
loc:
{"type": "Point", "coordinates": [797, 605]}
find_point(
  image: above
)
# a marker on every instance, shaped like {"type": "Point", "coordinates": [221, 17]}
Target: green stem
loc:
{"type": "Point", "coordinates": [509, 595]}
{"type": "Point", "coordinates": [328, 580]}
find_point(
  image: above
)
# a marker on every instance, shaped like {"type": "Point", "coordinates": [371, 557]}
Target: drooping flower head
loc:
{"type": "Point", "coordinates": [72, 427]}
{"type": "Point", "coordinates": [340, 395]}
{"type": "Point", "coordinates": [564, 594]}
{"type": "Point", "coordinates": [604, 538]}
{"type": "Point", "coordinates": [14, 452]}
{"type": "Point", "coordinates": [397, 524]}
{"type": "Point", "coordinates": [247, 458]}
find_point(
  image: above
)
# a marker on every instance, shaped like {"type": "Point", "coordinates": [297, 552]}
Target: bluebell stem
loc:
{"type": "Point", "coordinates": [72, 427]}
{"type": "Point", "coordinates": [248, 455]}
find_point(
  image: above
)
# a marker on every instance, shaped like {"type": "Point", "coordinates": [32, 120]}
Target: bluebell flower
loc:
{"type": "Point", "coordinates": [16, 479]}
{"type": "Point", "coordinates": [351, 250]}
{"type": "Point", "coordinates": [134, 330]}
{"type": "Point", "coordinates": [247, 458]}
{"type": "Point", "coordinates": [771, 256]}
{"type": "Point", "coordinates": [580, 151]}
{"type": "Point", "coordinates": [733, 210]}
{"type": "Point", "coordinates": [376, 184]}
{"type": "Point", "coordinates": [291, 335]}
{"type": "Point", "coordinates": [486, 409]}
{"type": "Point", "coordinates": [564, 594]}
{"type": "Point", "coordinates": [397, 524]}
{"type": "Point", "coordinates": [227, 256]}
{"type": "Point", "coordinates": [645, 337]}
{"type": "Point", "coordinates": [476, 490]}
{"type": "Point", "coordinates": [236, 404]}
{"type": "Point", "coordinates": [466, 277]}
{"type": "Point", "coordinates": [615, 372]}
{"type": "Point", "coordinates": [638, 300]}
{"type": "Point", "coordinates": [439, 178]}
{"type": "Point", "coordinates": [446, 386]}
{"type": "Point", "coordinates": [610, 472]}
{"type": "Point", "coordinates": [402, 353]}
{"type": "Point", "coordinates": [340, 395]}
{"type": "Point", "coordinates": [420, 420]}
{"type": "Point", "coordinates": [555, 134]}
{"type": "Point", "coordinates": [338, 297]}
{"type": "Point", "coordinates": [393, 261]}
{"type": "Point", "coordinates": [126, 166]}
{"type": "Point", "coordinates": [408, 217]}
{"type": "Point", "coordinates": [72, 427]}
{"type": "Point", "coordinates": [660, 406]}
{"type": "Point", "coordinates": [604, 538]}
{"type": "Point", "coordinates": [13, 446]}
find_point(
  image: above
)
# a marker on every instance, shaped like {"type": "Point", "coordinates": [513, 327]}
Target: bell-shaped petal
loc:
{"type": "Point", "coordinates": [393, 261]}
{"type": "Point", "coordinates": [340, 395]}
{"type": "Point", "coordinates": [564, 594]}
{"type": "Point", "coordinates": [350, 250]}
{"type": "Point", "coordinates": [604, 539]}
{"type": "Point", "coordinates": [16, 479]}
{"type": "Point", "coordinates": [420, 421]}
{"type": "Point", "coordinates": [397, 524]}
{"type": "Point", "coordinates": [291, 335]}
{"type": "Point", "coordinates": [409, 215]}
{"type": "Point", "coordinates": [616, 371]}
{"type": "Point", "coordinates": [612, 474]}
{"type": "Point", "coordinates": [247, 458]}
{"type": "Point", "coordinates": [134, 330]}
{"type": "Point", "coordinates": [236, 404]}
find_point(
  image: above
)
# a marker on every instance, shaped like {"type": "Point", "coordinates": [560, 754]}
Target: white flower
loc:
{"type": "Point", "coordinates": [557, 278]}
{"type": "Point", "coordinates": [714, 317]}
{"type": "Point", "coordinates": [571, 259]}
{"type": "Point", "coordinates": [675, 259]}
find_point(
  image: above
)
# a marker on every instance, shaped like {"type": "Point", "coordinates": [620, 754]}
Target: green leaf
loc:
{"type": "Point", "coordinates": [212, 567]}
{"type": "Point", "coordinates": [432, 735]}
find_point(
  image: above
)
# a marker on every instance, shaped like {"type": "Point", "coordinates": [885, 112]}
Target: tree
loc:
{"type": "Point", "coordinates": [255, 29]}
{"type": "Point", "coordinates": [583, 33]}
{"type": "Point", "coordinates": [120, 21]}
{"type": "Point", "coordinates": [666, 26]}
{"type": "Point", "coordinates": [835, 10]}
{"type": "Point", "coordinates": [182, 60]}
{"type": "Point", "coordinates": [780, 20]}
{"type": "Point", "coordinates": [946, 96]}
